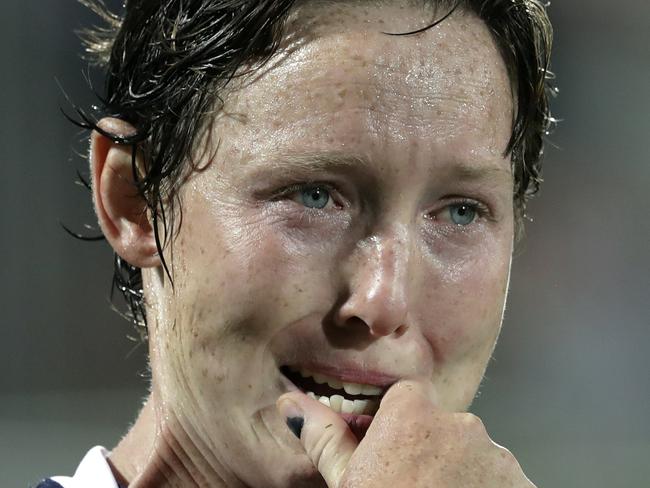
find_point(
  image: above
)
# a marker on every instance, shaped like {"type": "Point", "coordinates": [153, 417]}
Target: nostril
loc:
{"type": "Point", "coordinates": [383, 330]}
{"type": "Point", "coordinates": [401, 330]}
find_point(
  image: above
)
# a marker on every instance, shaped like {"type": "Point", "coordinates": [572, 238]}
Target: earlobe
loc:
{"type": "Point", "coordinates": [121, 210]}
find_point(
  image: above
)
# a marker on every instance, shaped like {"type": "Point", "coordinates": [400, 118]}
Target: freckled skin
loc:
{"type": "Point", "coordinates": [258, 284]}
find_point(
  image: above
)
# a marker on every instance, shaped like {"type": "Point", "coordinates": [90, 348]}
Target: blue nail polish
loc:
{"type": "Point", "coordinates": [295, 424]}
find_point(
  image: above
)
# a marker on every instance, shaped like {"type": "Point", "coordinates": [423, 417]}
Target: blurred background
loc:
{"type": "Point", "coordinates": [569, 388]}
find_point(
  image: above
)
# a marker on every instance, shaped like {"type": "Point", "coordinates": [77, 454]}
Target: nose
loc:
{"type": "Point", "coordinates": [378, 284]}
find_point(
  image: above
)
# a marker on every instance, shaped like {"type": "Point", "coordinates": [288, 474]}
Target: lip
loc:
{"type": "Point", "coordinates": [349, 373]}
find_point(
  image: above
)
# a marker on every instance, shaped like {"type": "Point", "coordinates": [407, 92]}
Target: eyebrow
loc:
{"type": "Point", "coordinates": [471, 173]}
{"type": "Point", "coordinates": [288, 164]}
{"type": "Point", "coordinates": [292, 165]}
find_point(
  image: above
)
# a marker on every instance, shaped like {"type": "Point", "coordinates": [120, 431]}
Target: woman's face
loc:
{"type": "Point", "coordinates": [355, 220]}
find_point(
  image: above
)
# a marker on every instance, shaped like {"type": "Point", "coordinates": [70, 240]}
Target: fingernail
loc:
{"type": "Point", "coordinates": [293, 414]}
{"type": "Point", "coordinates": [295, 424]}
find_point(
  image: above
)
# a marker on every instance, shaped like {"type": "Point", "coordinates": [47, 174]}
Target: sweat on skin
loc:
{"type": "Point", "coordinates": [393, 134]}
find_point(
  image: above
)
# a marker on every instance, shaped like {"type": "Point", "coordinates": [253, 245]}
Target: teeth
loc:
{"type": "Point", "coordinates": [319, 378]}
{"type": "Point", "coordinates": [306, 373]}
{"type": "Point", "coordinates": [337, 385]}
{"type": "Point", "coordinates": [371, 390]}
{"type": "Point", "coordinates": [360, 406]}
{"type": "Point", "coordinates": [349, 388]}
{"type": "Point", "coordinates": [347, 406]}
{"type": "Point", "coordinates": [352, 388]}
{"type": "Point", "coordinates": [339, 404]}
{"type": "Point", "coordinates": [335, 403]}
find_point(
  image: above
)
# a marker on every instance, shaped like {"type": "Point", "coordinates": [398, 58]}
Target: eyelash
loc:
{"type": "Point", "coordinates": [298, 187]}
{"type": "Point", "coordinates": [481, 209]}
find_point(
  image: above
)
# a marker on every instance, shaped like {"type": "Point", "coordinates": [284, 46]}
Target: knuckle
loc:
{"type": "Point", "coordinates": [319, 447]}
{"type": "Point", "coordinates": [474, 423]}
{"type": "Point", "coordinates": [509, 465]}
{"type": "Point", "coordinates": [507, 458]}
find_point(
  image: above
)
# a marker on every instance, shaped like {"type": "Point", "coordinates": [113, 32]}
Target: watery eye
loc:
{"type": "Point", "coordinates": [462, 213]}
{"type": "Point", "coordinates": [314, 197]}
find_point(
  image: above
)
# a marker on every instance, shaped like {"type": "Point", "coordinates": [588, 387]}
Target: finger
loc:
{"type": "Point", "coordinates": [326, 437]}
{"type": "Point", "coordinates": [418, 389]}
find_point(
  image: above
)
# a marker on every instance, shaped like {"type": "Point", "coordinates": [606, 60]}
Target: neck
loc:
{"type": "Point", "coordinates": [162, 455]}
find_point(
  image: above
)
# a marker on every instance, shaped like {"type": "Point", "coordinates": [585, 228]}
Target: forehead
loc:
{"type": "Point", "coordinates": [339, 79]}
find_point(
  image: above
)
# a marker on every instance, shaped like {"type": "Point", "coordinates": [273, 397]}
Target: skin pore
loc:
{"type": "Point", "coordinates": [357, 216]}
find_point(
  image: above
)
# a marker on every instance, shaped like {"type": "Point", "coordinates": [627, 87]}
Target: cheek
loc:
{"type": "Point", "coordinates": [237, 284]}
{"type": "Point", "coordinates": [246, 282]}
{"type": "Point", "coordinates": [464, 306]}
{"type": "Point", "coordinates": [461, 324]}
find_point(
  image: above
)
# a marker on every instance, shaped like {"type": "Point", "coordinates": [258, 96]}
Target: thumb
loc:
{"type": "Point", "coordinates": [325, 436]}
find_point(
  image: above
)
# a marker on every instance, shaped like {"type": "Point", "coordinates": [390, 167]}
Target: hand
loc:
{"type": "Point", "coordinates": [410, 443]}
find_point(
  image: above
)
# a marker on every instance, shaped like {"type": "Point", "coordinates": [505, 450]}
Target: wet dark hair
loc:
{"type": "Point", "coordinates": [167, 63]}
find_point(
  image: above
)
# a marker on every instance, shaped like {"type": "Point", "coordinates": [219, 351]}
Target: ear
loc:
{"type": "Point", "coordinates": [121, 211]}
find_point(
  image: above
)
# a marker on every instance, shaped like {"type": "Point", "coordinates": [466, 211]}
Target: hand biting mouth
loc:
{"type": "Point", "coordinates": [343, 397]}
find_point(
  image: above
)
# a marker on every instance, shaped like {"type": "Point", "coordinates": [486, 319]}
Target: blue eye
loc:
{"type": "Point", "coordinates": [462, 213]}
{"type": "Point", "coordinates": [314, 197]}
